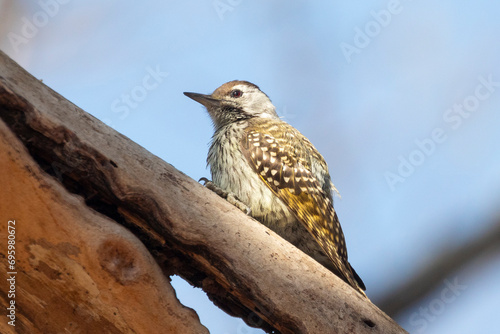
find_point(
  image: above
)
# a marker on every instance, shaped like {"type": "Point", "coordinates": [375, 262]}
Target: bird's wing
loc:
{"type": "Point", "coordinates": [277, 155]}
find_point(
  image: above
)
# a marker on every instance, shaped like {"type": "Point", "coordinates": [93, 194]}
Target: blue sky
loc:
{"type": "Point", "coordinates": [417, 103]}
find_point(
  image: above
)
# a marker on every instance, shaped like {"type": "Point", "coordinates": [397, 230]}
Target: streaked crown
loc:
{"type": "Point", "coordinates": [234, 101]}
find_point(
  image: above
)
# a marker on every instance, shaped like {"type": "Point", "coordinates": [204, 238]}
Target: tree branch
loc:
{"type": "Point", "coordinates": [445, 265]}
{"type": "Point", "coordinates": [245, 268]}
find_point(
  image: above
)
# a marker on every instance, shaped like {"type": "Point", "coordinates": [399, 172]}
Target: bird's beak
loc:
{"type": "Point", "coordinates": [206, 100]}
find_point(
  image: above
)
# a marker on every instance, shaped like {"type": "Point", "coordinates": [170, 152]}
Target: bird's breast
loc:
{"type": "Point", "coordinates": [232, 172]}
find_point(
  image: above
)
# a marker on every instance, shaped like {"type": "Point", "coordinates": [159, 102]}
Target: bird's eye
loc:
{"type": "Point", "coordinates": [236, 93]}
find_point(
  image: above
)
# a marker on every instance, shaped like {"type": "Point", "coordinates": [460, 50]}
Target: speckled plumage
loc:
{"type": "Point", "coordinates": [274, 170]}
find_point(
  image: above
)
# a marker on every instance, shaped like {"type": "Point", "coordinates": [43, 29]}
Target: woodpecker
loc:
{"type": "Point", "coordinates": [270, 168]}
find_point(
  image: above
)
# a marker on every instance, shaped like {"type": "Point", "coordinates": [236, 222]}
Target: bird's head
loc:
{"type": "Point", "coordinates": [235, 101]}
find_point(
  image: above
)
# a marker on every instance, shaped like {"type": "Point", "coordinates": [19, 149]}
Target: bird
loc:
{"type": "Point", "coordinates": [271, 171]}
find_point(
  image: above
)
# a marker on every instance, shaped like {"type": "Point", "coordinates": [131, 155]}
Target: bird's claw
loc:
{"type": "Point", "coordinates": [205, 180]}
{"type": "Point", "coordinates": [228, 196]}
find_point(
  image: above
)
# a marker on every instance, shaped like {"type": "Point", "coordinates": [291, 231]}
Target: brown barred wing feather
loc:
{"type": "Point", "coordinates": [289, 176]}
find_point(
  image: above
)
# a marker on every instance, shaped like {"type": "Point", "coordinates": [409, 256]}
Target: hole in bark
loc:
{"type": "Point", "coordinates": [113, 163]}
{"type": "Point", "coordinates": [369, 323]}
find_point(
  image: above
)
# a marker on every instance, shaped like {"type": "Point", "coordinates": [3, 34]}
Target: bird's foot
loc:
{"type": "Point", "coordinates": [228, 196]}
